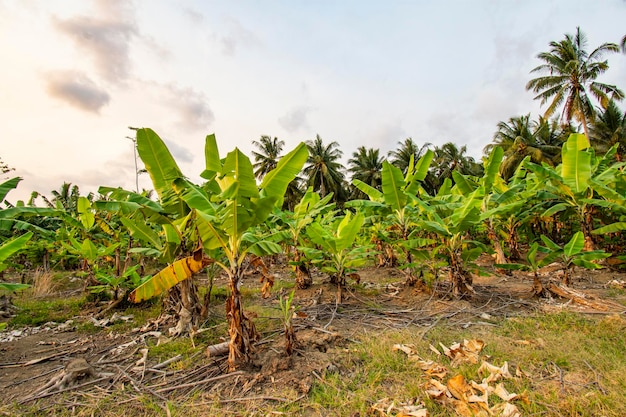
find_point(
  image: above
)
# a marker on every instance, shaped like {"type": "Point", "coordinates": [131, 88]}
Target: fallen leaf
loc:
{"type": "Point", "coordinates": [408, 349]}
{"type": "Point", "coordinates": [495, 373]}
{"type": "Point", "coordinates": [459, 388]}
{"type": "Point", "coordinates": [501, 392]}
{"type": "Point", "coordinates": [505, 410]}
{"type": "Point", "coordinates": [435, 389]}
{"type": "Point", "coordinates": [434, 349]}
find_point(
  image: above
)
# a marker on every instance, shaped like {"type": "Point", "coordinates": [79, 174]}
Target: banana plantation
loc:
{"type": "Point", "coordinates": [431, 220]}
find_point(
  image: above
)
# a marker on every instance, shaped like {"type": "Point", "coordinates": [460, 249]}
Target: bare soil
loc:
{"type": "Point", "coordinates": [323, 329]}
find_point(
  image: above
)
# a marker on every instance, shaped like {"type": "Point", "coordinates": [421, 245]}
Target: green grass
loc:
{"type": "Point", "coordinates": [32, 312]}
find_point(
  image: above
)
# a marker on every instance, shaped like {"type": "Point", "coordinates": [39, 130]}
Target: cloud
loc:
{"type": "Point", "coordinates": [237, 36]}
{"type": "Point", "coordinates": [295, 119]}
{"type": "Point", "coordinates": [180, 153]}
{"type": "Point", "coordinates": [191, 107]}
{"type": "Point", "coordinates": [76, 89]}
{"type": "Point", "coordinates": [105, 38]}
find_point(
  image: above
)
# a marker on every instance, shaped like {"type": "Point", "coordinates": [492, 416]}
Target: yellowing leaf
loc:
{"type": "Point", "coordinates": [168, 277]}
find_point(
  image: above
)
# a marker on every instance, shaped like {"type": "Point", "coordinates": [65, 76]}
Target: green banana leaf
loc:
{"type": "Point", "coordinates": [348, 229]}
{"type": "Point", "coordinates": [393, 185]}
{"type": "Point", "coordinates": [610, 228]}
{"type": "Point", "coordinates": [13, 245]}
{"type": "Point", "coordinates": [576, 164]}
{"type": "Point", "coordinates": [492, 168]}
{"type": "Point", "coordinates": [7, 186]}
{"type": "Point", "coordinates": [575, 245]}
{"type": "Point", "coordinates": [370, 191]}
{"type": "Point", "coordinates": [422, 165]}
{"type": "Point", "coordinates": [158, 160]}
{"type": "Point", "coordinates": [238, 170]}
{"type": "Point", "coordinates": [276, 181]}
{"type": "Point", "coordinates": [142, 232]}
{"type": "Point", "coordinates": [462, 183]}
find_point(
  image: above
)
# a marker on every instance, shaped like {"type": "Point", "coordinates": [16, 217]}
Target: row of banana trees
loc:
{"type": "Point", "coordinates": [231, 223]}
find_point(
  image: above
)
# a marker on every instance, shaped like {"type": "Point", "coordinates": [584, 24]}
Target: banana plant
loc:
{"type": "Point", "coordinates": [396, 204]}
{"type": "Point", "coordinates": [570, 188]}
{"type": "Point", "coordinates": [571, 254]}
{"type": "Point", "coordinates": [295, 224]}
{"type": "Point", "coordinates": [222, 214]}
{"type": "Point", "coordinates": [533, 264]}
{"type": "Point", "coordinates": [337, 255]}
{"type": "Point", "coordinates": [451, 217]}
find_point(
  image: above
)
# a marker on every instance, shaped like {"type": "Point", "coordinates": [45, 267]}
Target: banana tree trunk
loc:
{"type": "Point", "coordinates": [497, 245]}
{"type": "Point", "coordinates": [513, 244]}
{"type": "Point", "coordinates": [586, 228]}
{"type": "Point", "coordinates": [303, 276]}
{"type": "Point", "coordinates": [460, 278]}
{"type": "Point", "coordinates": [240, 328]}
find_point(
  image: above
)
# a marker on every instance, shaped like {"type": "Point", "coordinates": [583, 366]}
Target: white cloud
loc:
{"type": "Point", "coordinates": [77, 89]}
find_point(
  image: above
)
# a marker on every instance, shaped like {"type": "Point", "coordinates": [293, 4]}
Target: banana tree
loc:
{"type": "Point", "coordinates": [296, 223]}
{"type": "Point", "coordinates": [396, 204]}
{"type": "Point", "coordinates": [571, 254]}
{"type": "Point", "coordinates": [569, 189]}
{"type": "Point", "coordinates": [222, 212]}
{"type": "Point", "coordinates": [337, 255]}
{"type": "Point", "coordinates": [451, 217]}
{"type": "Point", "coordinates": [533, 264]}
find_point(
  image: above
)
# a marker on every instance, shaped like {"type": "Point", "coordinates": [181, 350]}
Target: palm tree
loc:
{"type": "Point", "coordinates": [449, 157]}
{"type": "Point", "coordinates": [366, 165]}
{"type": "Point", "coordinates": [268, 155]}
{"type": "Point", "coordinates": [571, 74]}
{"type": "Point", "coordinates": [401, 156]}
{"type": "Point", "coordinates": [608, 129]}
{"type": "Point", "coordinates": [66, 197]}
{"type": "Point", "coordinates": [323, 171]}
{"type": "Point", "coordinates": [623, 44]}
{"type": "Point", "coordinates": [520, 137]}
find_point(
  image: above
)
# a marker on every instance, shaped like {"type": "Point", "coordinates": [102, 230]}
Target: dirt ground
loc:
{"type": "Point", "coordinates": [115, 364]}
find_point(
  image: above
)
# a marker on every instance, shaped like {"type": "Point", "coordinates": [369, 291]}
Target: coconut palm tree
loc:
{"type": "Point", "coordinates": [269, 153]}
{"type": "Point", "coordinates": [449, 157]}
{"type": "Point", "coordinates": [366, 165]}
{"type": "Point", "coordinates": [323, 171]}
{"type": "Point", "coordinates": [608, 129]}
{"type": "Point", "coordinates": [520, 137]}
{"type": "Point", "coordinates": [401, 156]}
{"type": "Point", "coordinates": [571, 74]}
{"type": "Point", "coordinates": [66, 197]}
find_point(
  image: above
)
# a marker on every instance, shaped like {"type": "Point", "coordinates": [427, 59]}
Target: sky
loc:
{"type": "Point", "coordinates": [75, 74]}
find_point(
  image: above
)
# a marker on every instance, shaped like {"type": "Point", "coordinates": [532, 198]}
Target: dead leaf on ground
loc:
{"type": "Point", "coordinates": [506, 410]}
{"type": "Point", "coordinates": [387, 407]}
{"type": "Point", "coordinates": [494, 373]}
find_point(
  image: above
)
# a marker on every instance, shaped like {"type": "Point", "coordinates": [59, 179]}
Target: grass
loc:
{"type": "Point", "coordinates": [32, 312]}
{"type": "Point", "coordinates": [586, 354]}
{"type": "Point", "coordinates": [576, 364]}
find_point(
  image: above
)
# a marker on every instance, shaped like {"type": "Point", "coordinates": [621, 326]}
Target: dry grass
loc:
{"type": "Point", "coordinates": [44, 284]}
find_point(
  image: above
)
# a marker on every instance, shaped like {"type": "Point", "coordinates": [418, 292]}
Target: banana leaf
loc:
{"type": "Point", "coordinates": [168, 277]}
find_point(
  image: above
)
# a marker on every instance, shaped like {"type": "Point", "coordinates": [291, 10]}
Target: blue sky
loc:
{"type": "Point", "coordinates": [77, 73]}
